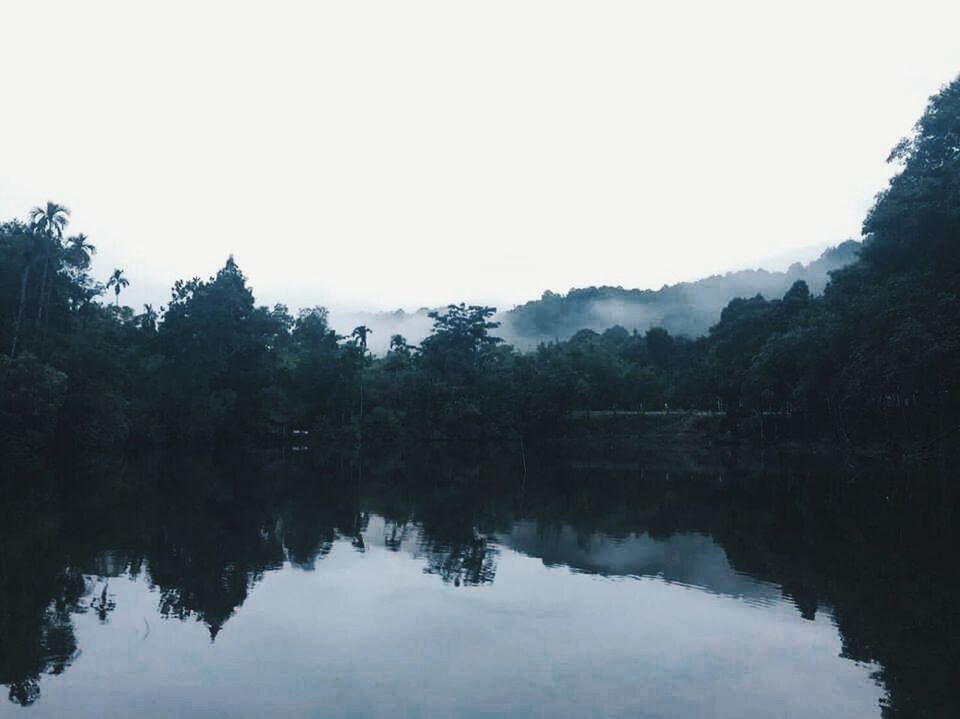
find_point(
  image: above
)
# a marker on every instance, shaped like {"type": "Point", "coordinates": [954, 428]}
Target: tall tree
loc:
{"type": "Point", "coordinates": [148, 320]}
{"type": "Point", "coordinates": [80, 251]}
{"type": "Point", "coordinates": [360, 335]}
{"type": "Point", "coordinates": [460, 340]}
{"type": "Point", "coordinates": [29, 244]}
{"type": "Point", "coordinates": [48, 223]}
{"type": "Point", "coordinates": [117, 281]}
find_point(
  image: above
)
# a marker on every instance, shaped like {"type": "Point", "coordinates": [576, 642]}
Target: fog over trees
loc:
{"type": "Point", "coordinates": [874, 357]}
{"type": "Point", "coordinates": [686, 308]}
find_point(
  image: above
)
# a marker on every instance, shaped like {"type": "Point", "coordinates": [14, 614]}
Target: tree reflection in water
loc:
{"type": "Point", "coordinates": [203, 532]}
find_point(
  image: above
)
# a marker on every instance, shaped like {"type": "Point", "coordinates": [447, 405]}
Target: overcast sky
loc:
{"type": "Point", "coordinates": [386, 154]}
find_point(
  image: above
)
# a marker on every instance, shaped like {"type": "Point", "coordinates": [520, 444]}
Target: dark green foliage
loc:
{"type": "Point", "coordinates": [875, 357]}
{"type": "Point", "coordinates": [31, 396]}
{"type": "Point", "coordinates": [217, 354]}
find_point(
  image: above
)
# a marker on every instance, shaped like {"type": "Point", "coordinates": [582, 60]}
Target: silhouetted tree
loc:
{"type": "Point", "coordinates": [117, 281]}
{"type": "Point", "coordinates": [48, 222]}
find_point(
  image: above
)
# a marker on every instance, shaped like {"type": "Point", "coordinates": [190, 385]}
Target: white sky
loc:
{"type": "Point", "coordinates": [385, 154]}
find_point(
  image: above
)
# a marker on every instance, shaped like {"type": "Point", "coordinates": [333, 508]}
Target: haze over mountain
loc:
{"type": "Point", "coordinates": [686, 308]}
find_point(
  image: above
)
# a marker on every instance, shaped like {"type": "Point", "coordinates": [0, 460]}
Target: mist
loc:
{"type": "Point", "coordinates": [687, 308]}
{"type": "Point", "coordinates": [414, 326]}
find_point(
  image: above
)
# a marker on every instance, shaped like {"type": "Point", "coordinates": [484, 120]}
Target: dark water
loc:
{"type": "Point", "coordinates": [612, 581]}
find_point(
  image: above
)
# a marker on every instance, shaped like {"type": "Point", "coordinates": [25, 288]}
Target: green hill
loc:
{"type": "Point", "coordinates": [687, 308]}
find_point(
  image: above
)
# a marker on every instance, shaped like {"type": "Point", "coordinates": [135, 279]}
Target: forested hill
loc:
{"type": "Point", "coordinates": [687, 308]}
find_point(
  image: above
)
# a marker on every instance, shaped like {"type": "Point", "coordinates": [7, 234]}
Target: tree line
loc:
{"type": "Point", "coordinates": [876, 357]}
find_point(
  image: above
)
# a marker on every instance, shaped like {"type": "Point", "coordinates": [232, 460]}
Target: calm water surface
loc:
{"type": "Point", "coordinates": [612, 584]}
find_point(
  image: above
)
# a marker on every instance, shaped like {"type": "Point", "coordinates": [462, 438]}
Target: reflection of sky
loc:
{"type": "Point", "coordinates": [693, 559]}
{"type": "Point", "coordinates": [370, 634]}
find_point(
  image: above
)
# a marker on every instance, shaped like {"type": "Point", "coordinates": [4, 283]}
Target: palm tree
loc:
{"type": "Point", "coordinates": [50, 220]}
{"type": "Point", "coordinates": [360, 334]}
{"type": "Point", "coordinates": [148, 320]}
{"type": "Point", "coordinates": [29, 257]}
{"type": "Point", "coordinates": [48, 223]}
{"type": "Point", "coordinates": [117, 281]}
{"type": "Point", "coordinates": [79, 251]}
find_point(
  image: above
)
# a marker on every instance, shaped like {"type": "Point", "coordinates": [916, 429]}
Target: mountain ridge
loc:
{"type": "Point", "coordinates": [684, 308]}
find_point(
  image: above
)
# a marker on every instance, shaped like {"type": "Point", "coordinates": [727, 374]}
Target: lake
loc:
{"type": "Point", "coordinates": [609, 580]}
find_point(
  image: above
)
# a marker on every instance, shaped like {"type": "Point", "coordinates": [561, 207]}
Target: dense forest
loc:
{"type": "Point", "coordinates": [876, 357]}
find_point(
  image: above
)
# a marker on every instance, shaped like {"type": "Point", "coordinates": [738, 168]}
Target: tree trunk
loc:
{"type": "Point", "coordinates": [43, 286]}
{"type": "Point", "coordinates": [523, 456]}
{"type": "Point", "coordinates": [23, 301]}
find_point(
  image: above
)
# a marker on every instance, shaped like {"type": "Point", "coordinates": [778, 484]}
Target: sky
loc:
{"type": "Point", "coordinates": [375, 155]}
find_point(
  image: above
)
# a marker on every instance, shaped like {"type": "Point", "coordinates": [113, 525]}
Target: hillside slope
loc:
{"type": "Point", "coordinates": [687, 308]}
